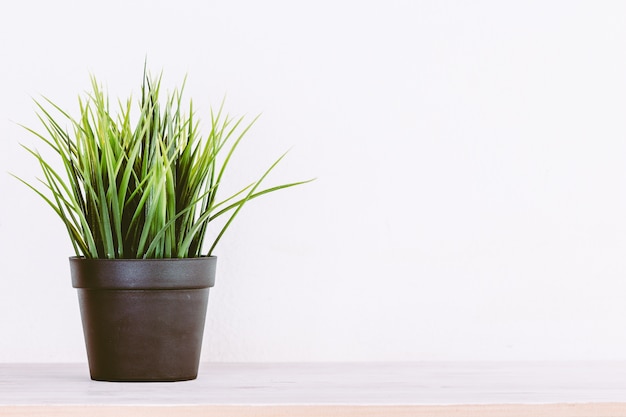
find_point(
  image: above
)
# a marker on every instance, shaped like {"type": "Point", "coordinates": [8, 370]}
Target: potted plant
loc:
{"type": "Point", "coordinates": [137, 193]}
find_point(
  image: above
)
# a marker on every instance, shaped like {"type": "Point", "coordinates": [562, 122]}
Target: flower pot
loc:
{"type": "Point", "coordinates": [143, 319]}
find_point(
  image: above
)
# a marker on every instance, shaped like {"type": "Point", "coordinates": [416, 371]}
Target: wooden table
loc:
{"type": "Point", "coordinates": [326, 389]}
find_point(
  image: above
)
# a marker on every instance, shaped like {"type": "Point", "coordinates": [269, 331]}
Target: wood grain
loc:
{"type": "Point", "coordinates": [327, 389]}
{"type": "Point", "coordinates": [510, 410]}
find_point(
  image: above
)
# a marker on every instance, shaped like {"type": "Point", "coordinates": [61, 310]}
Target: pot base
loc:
{"type": "Point", "coordinates": [143, 335]}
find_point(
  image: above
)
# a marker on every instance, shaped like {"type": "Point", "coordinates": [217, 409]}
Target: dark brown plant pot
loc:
{"type": "Point", "coordinates": [143, 319]}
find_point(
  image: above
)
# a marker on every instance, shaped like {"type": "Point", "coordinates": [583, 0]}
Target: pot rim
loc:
{"type": "Point", "coordinates": [143, 274]}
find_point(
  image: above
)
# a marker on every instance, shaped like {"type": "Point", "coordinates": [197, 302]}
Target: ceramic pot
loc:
{"type": "Point", "coordinates": [143, 319]}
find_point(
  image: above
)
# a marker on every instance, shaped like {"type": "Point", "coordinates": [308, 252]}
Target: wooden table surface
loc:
{"type": "Point", "coordinates": [333, 389]}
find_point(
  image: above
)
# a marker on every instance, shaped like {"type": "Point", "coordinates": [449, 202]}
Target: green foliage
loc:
{"type": "Point", "coordinates": [144, 189]}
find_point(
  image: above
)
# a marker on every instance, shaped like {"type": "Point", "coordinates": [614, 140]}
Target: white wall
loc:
{"type": "Point", "coordinates": [471, 164]}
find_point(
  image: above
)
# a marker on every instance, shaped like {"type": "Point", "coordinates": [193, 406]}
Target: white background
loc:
{"type": "Point", "coordinates": [471, 163]}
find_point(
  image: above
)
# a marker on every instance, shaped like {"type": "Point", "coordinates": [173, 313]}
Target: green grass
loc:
{"type": "Point", "coordinates": [140, 189]}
